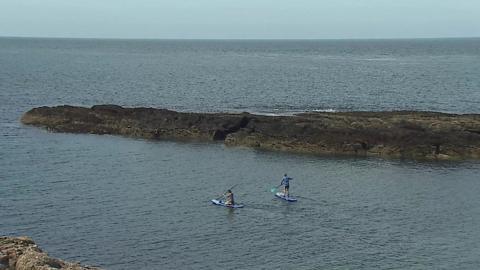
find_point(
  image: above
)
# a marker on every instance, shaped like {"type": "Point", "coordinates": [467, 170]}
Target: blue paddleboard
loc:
{"type": "Point", "coordinates": [282, 196]}
{"type": "Point", "coordinates": [222, 203]}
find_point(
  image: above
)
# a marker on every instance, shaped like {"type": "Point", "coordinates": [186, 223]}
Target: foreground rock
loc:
{"type": "Point", "coordinates": [21, 253]}
{"type": "Point", "coordinates": [416, 135]}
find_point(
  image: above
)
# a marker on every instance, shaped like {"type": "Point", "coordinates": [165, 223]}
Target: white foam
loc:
{"type": "Point", "coordinates": [325, 110]}
{"type": "Point", "coordinates": [277, 114]}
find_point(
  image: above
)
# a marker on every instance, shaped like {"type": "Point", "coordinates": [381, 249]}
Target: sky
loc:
{"type": "Point", "coordinates": [240, 19]}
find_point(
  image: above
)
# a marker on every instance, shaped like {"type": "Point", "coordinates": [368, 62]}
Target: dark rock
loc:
{"type": "Point", "coordinates": [406, 134]}
{"type": "Point", "coordinates": [219, 135]}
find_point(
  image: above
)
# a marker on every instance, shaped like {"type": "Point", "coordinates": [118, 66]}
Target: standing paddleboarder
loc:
{"type": "Point", "coordinates": [286, 184]}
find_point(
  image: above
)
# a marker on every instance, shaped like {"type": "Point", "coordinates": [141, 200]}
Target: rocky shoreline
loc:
{"type": "Point", "coordinates": [402, 134]}
{"type": "Point", "coordinates": [21, 253]}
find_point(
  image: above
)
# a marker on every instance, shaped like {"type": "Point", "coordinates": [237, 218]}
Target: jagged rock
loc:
{"type": "Point", "coordinates": [21, 253]}
{"type": "Point", "coordinates": [404, 134]}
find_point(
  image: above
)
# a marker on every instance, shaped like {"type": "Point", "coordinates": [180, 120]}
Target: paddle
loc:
{"type": "Point", "coordinates": [275, 188]}
{"type": "Point", "coordinates": [224, 193]}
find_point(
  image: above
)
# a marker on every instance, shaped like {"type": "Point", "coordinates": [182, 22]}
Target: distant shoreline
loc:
{"type": "Point", "coordinates": [401, 134]}
{"type": "Point", "coordinates": [243, 39]}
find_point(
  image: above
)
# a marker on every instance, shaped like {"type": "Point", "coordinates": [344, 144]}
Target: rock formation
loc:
{"type": "Point", "coordinates": [21, 253]}
{"type": "Point", "coordinates": [403, 134]}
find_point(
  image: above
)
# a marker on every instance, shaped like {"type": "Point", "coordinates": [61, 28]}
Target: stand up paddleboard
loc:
{"type": "Point", "coordinates": [222, 203]}
{"type": "Point", "coordinates": [282, 196]}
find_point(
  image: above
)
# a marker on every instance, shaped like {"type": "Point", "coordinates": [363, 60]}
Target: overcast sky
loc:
{"type": "Point", "coordinates": [311, 19]}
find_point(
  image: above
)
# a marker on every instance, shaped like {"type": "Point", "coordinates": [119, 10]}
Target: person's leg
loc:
{"type": "Point", "coordinates": [286, 191]}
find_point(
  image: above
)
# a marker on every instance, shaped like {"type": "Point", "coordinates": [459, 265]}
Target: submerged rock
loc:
{"type": "Point", "coordinates": [403, 134]}
{"type": "Point", "coordinates": [21, 253]}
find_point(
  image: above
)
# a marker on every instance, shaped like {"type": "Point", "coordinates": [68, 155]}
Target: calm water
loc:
{"type": "Point", "coordinates": [134, 204]}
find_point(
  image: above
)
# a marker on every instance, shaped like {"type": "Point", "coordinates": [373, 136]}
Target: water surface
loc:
{"type": "Point", "coordinates": [135, 204]}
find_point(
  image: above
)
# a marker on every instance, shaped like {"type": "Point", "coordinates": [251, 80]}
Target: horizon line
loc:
{"type": "Point", "coordinates": [237, 39]}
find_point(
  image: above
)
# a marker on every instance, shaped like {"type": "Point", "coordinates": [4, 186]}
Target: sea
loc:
{"type": "Point", "coordinates": [123, 203]}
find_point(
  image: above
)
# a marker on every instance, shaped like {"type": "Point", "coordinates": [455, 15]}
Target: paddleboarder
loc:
{"type": "Point", "coordinates": [229, 198]}
{"type": "Point", "coordinates": [286, 184]}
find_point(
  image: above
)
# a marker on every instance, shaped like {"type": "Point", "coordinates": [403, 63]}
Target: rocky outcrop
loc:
{"type": "Point", "coordinates": [404, 134]}
{"type": "Point", "coordinates": [21, 253]}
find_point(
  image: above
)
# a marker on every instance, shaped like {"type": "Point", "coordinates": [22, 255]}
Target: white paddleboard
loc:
{"type": "Point", "coordinates": [222, 203]}
{"type": "Point", "coordinates": [282, 196]}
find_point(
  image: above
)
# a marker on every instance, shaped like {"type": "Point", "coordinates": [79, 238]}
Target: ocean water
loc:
{"type": "Point", "coordinates": [134, 204]}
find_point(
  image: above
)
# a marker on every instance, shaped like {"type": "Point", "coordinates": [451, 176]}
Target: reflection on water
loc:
{"type": "Point", "coordinates": [231, 215]}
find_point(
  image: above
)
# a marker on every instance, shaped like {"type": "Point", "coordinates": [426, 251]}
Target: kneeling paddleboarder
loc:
{"type": "Point", "coordinates": [229, 202]}
{"type": "Point", "coordinates": [229, 198]}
